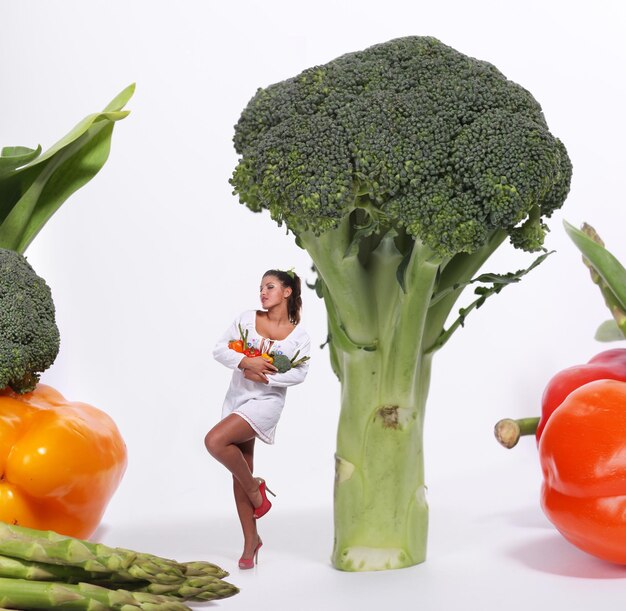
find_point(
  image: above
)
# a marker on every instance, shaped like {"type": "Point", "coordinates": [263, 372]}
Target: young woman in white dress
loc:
{"type": "Point", "coordinates": [256, 395]}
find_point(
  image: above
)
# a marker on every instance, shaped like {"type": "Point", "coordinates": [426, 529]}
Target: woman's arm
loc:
{"type": "Point", "coordinates": [235, 360]}
{"type": "Point", "coordinates": [253, 376]}
{"type": "Point", "coordinates": [295, 375]}
{"type": "Point", "coordinates": [222, 353]}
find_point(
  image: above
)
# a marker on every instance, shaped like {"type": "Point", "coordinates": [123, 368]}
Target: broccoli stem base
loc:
{"type": "Point", "coordinates": [381, 513]}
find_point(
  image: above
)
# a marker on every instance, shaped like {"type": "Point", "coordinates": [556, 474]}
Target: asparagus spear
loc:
{"type": "Point", "coordinates": [200, 589]}
{"type": "Point", "coordinates": [204, 585]}
{"type": "Point", "coordinates": [206, 591]}
{"type": "Point", "coordinates": [37, 555]}
{"type": "Point", "coordinates": [52, 548]}
{"type": "Point", "coordinates": [27, 569]}
{"type": "Point", "coordinates": [201, 567]}
{"type": "Point", "coordinates": [25, 594]}
{"type": "Point", "coordinates": [194, 588]}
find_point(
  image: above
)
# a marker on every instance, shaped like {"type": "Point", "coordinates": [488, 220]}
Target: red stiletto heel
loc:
{"type": "Point", "coordinates": [248, 563]}
{"type": "Point", "coordinates": [265, 505]}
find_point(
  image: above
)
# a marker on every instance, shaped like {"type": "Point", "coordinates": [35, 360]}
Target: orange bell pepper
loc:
{"type": "Point", "coordinates": [583, 457]}
{"type": "Point", "coordinates": [60, 462]}
{"type": "Point", "coordinates": [236, 345]}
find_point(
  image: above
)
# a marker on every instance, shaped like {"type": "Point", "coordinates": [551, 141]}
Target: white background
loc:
{"type": "Point", "coordinates": [151, 260]}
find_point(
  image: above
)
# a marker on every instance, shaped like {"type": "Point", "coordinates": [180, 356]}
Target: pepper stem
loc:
{"type": "Point", "coordinates": [509, 431]}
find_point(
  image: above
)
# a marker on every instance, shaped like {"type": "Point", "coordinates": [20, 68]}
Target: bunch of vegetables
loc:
{"type": "Point", "coordinates": [400, 169]}
{"type": "Point", "coordinates": [581, 434]}
{"type": "Point", "coordinates": [60, 461]}
{"type": "Point", "coordinates": [281, 361]}
{"type": "Point", "coordinates": [45, 570]}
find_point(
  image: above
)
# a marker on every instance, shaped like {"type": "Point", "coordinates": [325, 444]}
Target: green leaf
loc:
{"type": "Point", "coordinates": [401, 271]}
{"type": "Point", "coordinates": [37, 185]}
{"type": "Point", "coordinates": [608, 331]}
{"type": "Point", "coordinates": [13, 157]}
{"type": "Point", "coordinates": [317, 285]}
{"type": "Point", "coordinates": [112, 112]}
{"type": "Point", "coordinates": [602, 261]}
{"type": "Point", "coordinates": [365, 230]}
{"type": "Point", "coordinates": [497, 282]}
{"type": "Point", "coordinates": [121, 99]}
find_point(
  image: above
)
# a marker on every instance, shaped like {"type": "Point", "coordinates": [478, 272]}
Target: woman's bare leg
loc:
{"type": "Point", "coordinates": [223, 442]}
{"type": "Point", "coordinates": [244, 507]}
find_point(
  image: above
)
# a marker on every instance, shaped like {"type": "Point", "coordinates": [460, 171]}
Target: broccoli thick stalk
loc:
{"type": "Point", "coordinates": [400, 169]}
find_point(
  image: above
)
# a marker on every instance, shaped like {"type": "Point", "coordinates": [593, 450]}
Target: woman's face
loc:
{"type": "Point", "coordinates": [273, 292]}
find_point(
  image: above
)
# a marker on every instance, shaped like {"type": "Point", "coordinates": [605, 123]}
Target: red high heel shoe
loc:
{"type": "Point", "coordinates": [265, 505]}
{"type": "Point", "coordinates": [248, 563]}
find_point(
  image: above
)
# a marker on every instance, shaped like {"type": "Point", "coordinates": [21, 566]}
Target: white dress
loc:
{"type": "Point", "coordinates": [260, 405]}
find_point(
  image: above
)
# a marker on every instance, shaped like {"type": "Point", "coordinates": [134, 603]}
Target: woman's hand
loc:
{"type": "Point", "coordinates": [255, 377]}
{"type": "Point", "coordinates": [258, 366]}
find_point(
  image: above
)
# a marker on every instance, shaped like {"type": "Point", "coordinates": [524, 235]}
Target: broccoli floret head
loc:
{"type": "Point", "coordinates": [282, 363]}
{"type": "Point", "coordinates": [410, 134]}
{"type": "Point", "coordinates": [29, 337]}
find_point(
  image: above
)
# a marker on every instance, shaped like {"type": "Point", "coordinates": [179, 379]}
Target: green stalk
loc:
{"type": "Point", "coordinates": [198, 568]}
{"type": "Point", "coordinates": [508, 431]}
{"type": "Point", "coordinates": [381, 513]}
{"type": "Point", "coordinates": [202, 579]}
{"type": "Point", "coordinates": [25, 569]}
{"type": "Point", "coordinates": [202, 588]}
{"type": "Point", "coordinates": [52, 548]}
{"type": "Point", "coordinates": [193, 588]}
{"type": "Point", "coordinates": [331, 247]}
{"type": "Point", "coordinates": [24, 594]}
{"type": "Point", "coordinates": [607, 272]}
{"type": "Point", "coordinates": [48, 556]}
{"type": "Point", "coordinates": [458, 271]}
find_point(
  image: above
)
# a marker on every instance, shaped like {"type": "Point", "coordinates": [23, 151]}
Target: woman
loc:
{"type": "Point", "coordinates": [256, 394]}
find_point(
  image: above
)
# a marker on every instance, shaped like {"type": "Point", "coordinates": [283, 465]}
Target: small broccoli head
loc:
{"type": "Point", "coordinates": [29, 337]}
{"type": "Point", "coordinates": [432, 142]}
{"type": "Point", "coordinates": [282, 363]}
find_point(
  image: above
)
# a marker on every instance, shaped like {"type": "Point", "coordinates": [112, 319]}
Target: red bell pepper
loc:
{"type": "Point", "coordinates": [608, 365]}
{"type": "Point", "coordinates": [582, 452]}
{"type": "Point", "coordinates": [581, 434]}
{"type": "Point", "coordinates": [581, 438]}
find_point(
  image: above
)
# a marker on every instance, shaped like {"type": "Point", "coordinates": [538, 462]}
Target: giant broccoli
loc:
{"type": "Point", "coordinates": [29, 337]}
{"type": "Point", "coordinates": [400, 169]}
